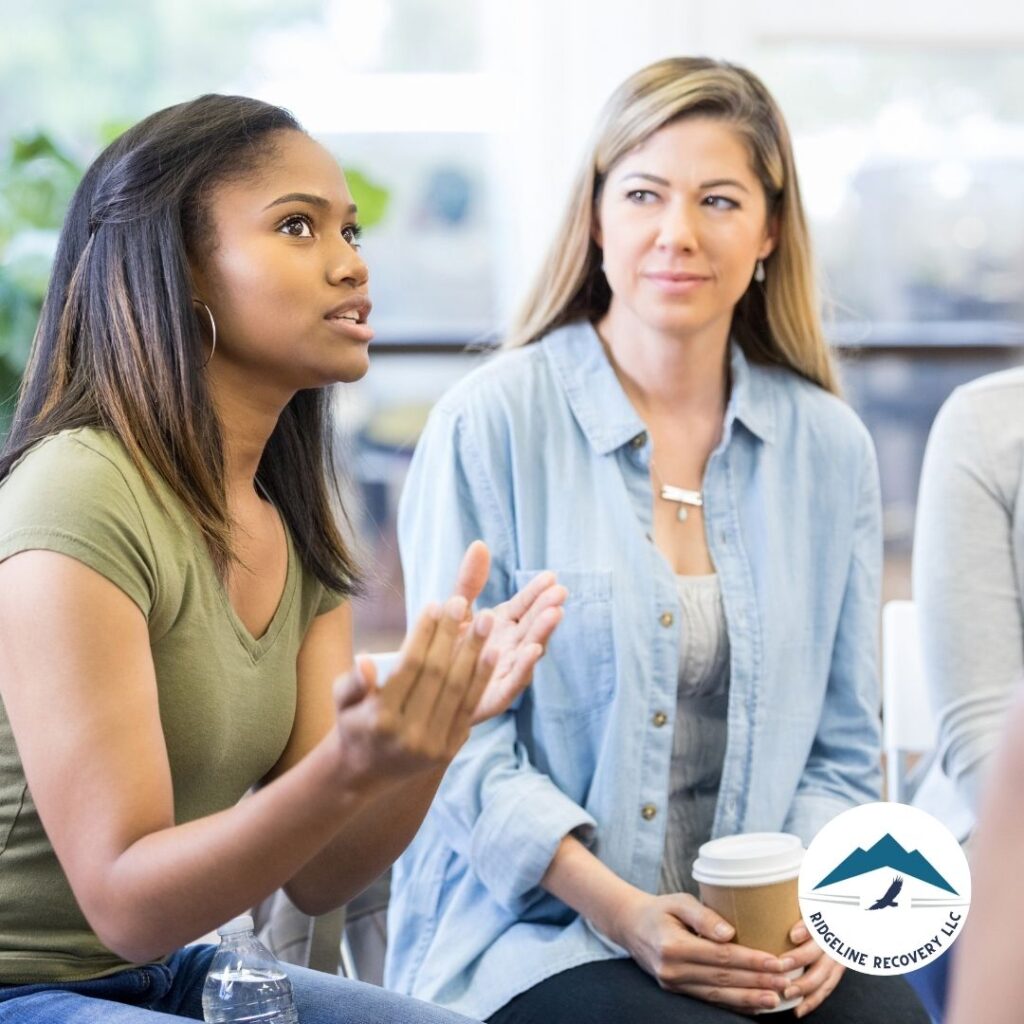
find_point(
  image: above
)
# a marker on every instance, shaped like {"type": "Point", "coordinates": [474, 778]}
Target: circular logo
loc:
{"type": "Point", "coordinates": [885, 888]}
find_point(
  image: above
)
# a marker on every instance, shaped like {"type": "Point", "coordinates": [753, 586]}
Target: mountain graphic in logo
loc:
{"type": "Point", "coordinates": [886, 853]}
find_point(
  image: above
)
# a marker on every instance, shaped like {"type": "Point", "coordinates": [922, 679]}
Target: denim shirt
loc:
{"type": "Point", "coordinates": [540, 453]}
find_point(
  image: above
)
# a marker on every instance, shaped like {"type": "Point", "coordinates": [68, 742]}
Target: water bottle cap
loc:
{"type": "Point", "coordinates": [242, 923]}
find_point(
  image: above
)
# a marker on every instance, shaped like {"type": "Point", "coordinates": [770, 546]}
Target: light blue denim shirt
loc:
{"type": "Point", "coordinates": [540, 453]}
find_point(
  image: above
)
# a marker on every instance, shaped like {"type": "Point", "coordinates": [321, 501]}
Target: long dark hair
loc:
{"type": "Point", "coordinates": [119, 345]}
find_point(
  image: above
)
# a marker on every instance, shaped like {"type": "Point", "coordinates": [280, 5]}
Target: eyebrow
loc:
{"type": "Point", "coordinates": [305, 197]}
{"type": "Point", "coordinates": [715, 183]}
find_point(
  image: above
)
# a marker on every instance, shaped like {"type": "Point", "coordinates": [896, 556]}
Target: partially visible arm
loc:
{"type": "Point", "coordinates": [969, 606]}
{"type": "Point", "coordinates": [988, 984]}
{"type": "Point", "coordinates": [844, 765]}
{"type": "Point", "coordinates": [683, 945]}
{"type": "Point", "coordinates": [361, 849]}
{"type": "Point", "coordinates": [78, 684]}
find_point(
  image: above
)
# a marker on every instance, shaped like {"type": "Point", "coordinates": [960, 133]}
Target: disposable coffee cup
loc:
{"type": "Point", "coordinates": [751, 881]}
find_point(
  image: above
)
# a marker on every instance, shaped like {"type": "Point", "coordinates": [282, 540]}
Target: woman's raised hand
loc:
{"type": "Point", "coordinates": [455, 669]}
{"type": "Point", "coordinates": [522, 627]}
{"type": "Point", "coordinates": [421, 717]}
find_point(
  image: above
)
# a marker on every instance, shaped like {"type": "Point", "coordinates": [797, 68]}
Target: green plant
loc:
{"type": "Point", "coordinates": [371, 198]}
{"type": "Point", "coordinates": [37, 178]}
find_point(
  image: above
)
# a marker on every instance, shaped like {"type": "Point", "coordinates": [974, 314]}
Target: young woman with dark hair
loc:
{"type": "Point", "coordinates": [174, 620]}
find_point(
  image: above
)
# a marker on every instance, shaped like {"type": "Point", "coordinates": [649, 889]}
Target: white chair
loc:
{"type": "Point", "coordinates": [297, 938]}
{"type": "Point", "coordinates": [908, 722]}
{"type": "Point", "coordinates": [364, 939]}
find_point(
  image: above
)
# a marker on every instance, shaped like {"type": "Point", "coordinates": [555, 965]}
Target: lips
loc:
{"type": "Point", "coordinates": [675, 276]}
{"type": "Point", "coordinates": [355, 310]}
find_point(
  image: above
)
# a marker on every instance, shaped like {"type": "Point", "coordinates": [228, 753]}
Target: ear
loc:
{"type": "Point", "coordinates": [200, 278]}
{"type": "Point", "coordinates": [771, 238]}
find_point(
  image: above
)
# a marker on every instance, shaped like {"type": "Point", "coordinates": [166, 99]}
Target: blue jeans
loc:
{"type": "Point", "coordinates": [173, 992]}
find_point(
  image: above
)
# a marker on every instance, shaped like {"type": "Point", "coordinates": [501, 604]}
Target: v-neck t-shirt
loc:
{"type": "Point", "coordinates": [226, 698]}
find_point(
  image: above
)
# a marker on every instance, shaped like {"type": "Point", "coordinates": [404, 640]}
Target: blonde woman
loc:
{"type": "Point", "coordinates": [665, 432]}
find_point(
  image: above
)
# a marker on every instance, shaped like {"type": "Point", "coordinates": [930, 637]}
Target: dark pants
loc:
{"type": "Point", "coordinates": [620, 992]}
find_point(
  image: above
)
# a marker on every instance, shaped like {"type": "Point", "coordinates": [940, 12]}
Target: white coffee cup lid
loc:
{"type": "Point", "coordinates": [755, 858]}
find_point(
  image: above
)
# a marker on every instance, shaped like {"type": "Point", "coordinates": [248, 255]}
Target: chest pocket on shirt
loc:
{"type": "Point", "coordinates": [577, 674]}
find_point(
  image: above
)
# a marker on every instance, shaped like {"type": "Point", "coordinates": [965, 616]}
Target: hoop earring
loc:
{"type": "Point", "coordinates": [213, 328]}
{"type": "Point", "coordinates": [759, 274]}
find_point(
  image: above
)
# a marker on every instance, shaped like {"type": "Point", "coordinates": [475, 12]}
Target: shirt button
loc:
{"type": "Point", "coordinates": [648, 811]}
{"type": "Point", "coordinates": [660, 718]}
{"type": "Point", "coordinates": [666, 619]}
{"type": "Point", "coordinates": [640, 440]}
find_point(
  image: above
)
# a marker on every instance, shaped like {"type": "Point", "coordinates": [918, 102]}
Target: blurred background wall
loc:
{"type": "Point", "coordinates": [460, 123]}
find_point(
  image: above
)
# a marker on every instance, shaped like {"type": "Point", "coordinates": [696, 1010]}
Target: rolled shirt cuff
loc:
{"type": "Point", "coordinates": [516, 837]}
{"type": "Point", "coordinates": [811, 812]}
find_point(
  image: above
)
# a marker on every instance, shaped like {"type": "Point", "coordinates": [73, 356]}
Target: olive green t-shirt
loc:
{"type": "Point", "coordinates": [227, 699]}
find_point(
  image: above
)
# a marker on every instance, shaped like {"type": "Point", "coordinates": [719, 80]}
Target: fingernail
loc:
{"type": "Point", "coordinates": [483, 623]}
{"type": "Point", "coordinates": [792, 991]}
{"type": "Point", "coordinates": [799, 933]}
{"type": "Point", "coordinates": [771, 964]}
{"type": "Point", "coordinates": [787, 963]}
{"type": "Point", "coordinates": [456, 608]}
{"type": "Point", "coordinates": [723, 930]}
{"type": "Point", "coordinates": [769, 1000]}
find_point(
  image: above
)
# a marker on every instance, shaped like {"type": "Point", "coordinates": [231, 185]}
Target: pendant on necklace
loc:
{"type": "Point", "coordinates": [684, 497]}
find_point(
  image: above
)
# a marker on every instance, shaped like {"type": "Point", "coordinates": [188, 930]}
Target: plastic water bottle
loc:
{"type": "Point", "coordinates": [246, 983]}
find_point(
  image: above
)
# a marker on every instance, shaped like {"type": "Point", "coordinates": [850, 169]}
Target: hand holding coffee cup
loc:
{"type": "Point", "coordinates": [820, 975]}
{"type": "Point", "coordinates": [751, 881]}
{"type": "Point", "coordinates": [686, 947]}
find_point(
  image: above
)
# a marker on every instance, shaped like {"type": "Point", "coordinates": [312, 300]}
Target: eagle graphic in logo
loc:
{"type": "Point", "coordinates": [889, 899]}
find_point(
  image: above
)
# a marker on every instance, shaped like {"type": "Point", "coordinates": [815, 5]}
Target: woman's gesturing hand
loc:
{"type": "Point", "coordinates": [421, 717]}
{"type": "Point", "coordinates": [522, 626]}
{"type": "Point", "coordinates": [454, 670]}
{"type": "Point", "coordinates": [685, 946]}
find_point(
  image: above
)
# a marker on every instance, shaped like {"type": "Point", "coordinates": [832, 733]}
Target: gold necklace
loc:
{"type": "Point", "coordinates": [682, 496]}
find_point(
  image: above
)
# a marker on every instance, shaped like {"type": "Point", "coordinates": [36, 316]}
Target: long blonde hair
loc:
{"type": "Point", "coordinates": [778, 322]}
